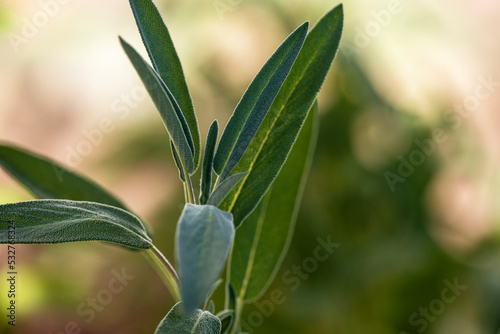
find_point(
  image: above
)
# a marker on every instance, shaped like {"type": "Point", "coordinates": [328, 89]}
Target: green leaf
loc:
{"type": "Point", "coordinates": [208, 159]}
{"type": "Point", "coordinates": [178, 162]}
{"type": "Point", "coordinates": [211, 306]}
{"type": "Point", "coordinates": [226, 318]}
{"type": "Point", "coordinates": [167, 107]}
{"type": "Point", "coordinates": [47, 179]}
{"type": "Point", "coordinates": [269, 148]}
{"type": "Point", "coordinates": [231, 297]}
{"type": "Point", "coordinates": [161, 51]}
{"type": "Point", "coordinates": [262, 241]}
{"type": "Point", "coordinates": [224, 188]}
{"type": "Point", "coordinates": [197, 322]}
{"type": "Point", "coordinates": [212, 290]}
{"type": "Point", "coordinates": [203, 240]}
{"type": "Point", "coordinates": [60, 221]}
{"type": "Point", "coordinates": [255, 103]}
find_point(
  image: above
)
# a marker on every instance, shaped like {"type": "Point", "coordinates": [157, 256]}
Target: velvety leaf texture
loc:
{"type": "Point", "coordinates": [203, 240]}
{"type": "Point", "coordinates": [255, 103]}
{"type": "Point", "coordinates": [196, 322]}
{"type": "Point", "coordinates": [270, 147]}
{"type": "Point", "coordinates": [166, 62]}
{"type": "Point", "coordinates": [60, 221]}
{"type": "Point", "coordinates": [263, 240]}
{"type": "Point", "coordinates": [162, 99]}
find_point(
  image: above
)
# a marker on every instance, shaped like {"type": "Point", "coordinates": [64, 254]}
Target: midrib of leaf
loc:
{"type": "Point", "coordinates": [250, 114]}
{"type": "Point", "coordinates": [251, 259]}
{"type": "Point", "coordinates": [193, 331]}
{"type": "Point", "coordinates": [237, 195]}
{"type": "Point", "coordinates": [205, 234]}
{"type": "Point", "coordinates": [91, 219]}
{"type": "Point", "coordinates": [104, 219]}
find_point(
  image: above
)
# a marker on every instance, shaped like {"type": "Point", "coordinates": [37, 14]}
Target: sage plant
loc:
{"type": "Point", "coordinates": [252, 180]}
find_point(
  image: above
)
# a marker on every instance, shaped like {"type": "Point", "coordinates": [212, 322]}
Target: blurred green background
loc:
{"type": "Point", "coordinates": [404, 178]}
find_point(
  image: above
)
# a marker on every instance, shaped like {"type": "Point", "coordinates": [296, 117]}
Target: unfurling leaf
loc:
{"type": "Point", "coordinates": [224, 188]}
{"type": "Point", "coordinates": [203, 240]}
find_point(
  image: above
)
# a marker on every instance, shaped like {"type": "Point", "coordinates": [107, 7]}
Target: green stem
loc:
{"type": "Point", "coordinates": [166, 272]}
{"type": "Point", "coordinates": [186, 192]}
{"type": "Point", "coordinates": [190, 189]}
{"type": "Point", "coordinates": [216, 182]}
{"type": "Point", "coordinates": [237, 312]}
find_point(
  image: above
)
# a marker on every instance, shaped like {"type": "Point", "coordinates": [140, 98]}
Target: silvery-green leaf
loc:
{"type": "Point", "coordinates": [60, 221]}
{"type": "Point", "coordinates": [166, 62]}
{"type": "Point", "coordinates": [167, 107]}
{"type": "Point", "coordinates": [203, 239]}
{"type": "Point", "coordinates": [220, 193]}
{"type": "Point", "coordinates": [177, 321]}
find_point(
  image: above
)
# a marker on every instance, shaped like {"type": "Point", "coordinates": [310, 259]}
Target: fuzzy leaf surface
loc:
{"type": "Point", "coordinates": [196, 322]}
{"type": "Point", "coordinates": [224, 188]}
{"type": "Point", "coordinates": [203, 240]}
{"type": "Point", "coordinates": [165, 60]}
{"type": "Point", "coordinates": [270, 147]}
{"type": "Point", "coordinates": [60, 221]}
{"type": "Point", "coordinates": [167, 107]}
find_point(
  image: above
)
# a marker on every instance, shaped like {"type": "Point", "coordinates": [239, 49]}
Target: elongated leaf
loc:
{"type": "Point", "coordinates": [212, 289]}
{"type": "Point", "coordinates": [203, 240]}
{"type": "Point", "coordinates": [262, 241]}
{"type": "Point", "coordinates": [47, 179]}
{"type": "Point", "coordinates": [211, 306]}
{"type": "Point", "coordinates": [60, 221]}
{"type": "Point", "coordinates": [208, 159]}
{"type": "Point", "coordinates": [162, 99]}
{"type": "Point", "coordinates": [224, 188]}
{"type": "Point", "coordinates": [272, 143]}
{"type": "Point", "coordinates": [178, 162]}
{"type": "Point", "coordinates": [197, 322]}
{"type": "Point", "coordinates": [231, 297]}
{"type": "Point", "coordinates": [165, 61]}
{"type": "Point", "coordinates": [226, 318]}
{"type": "Point", "coordinates": [255, 103]}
